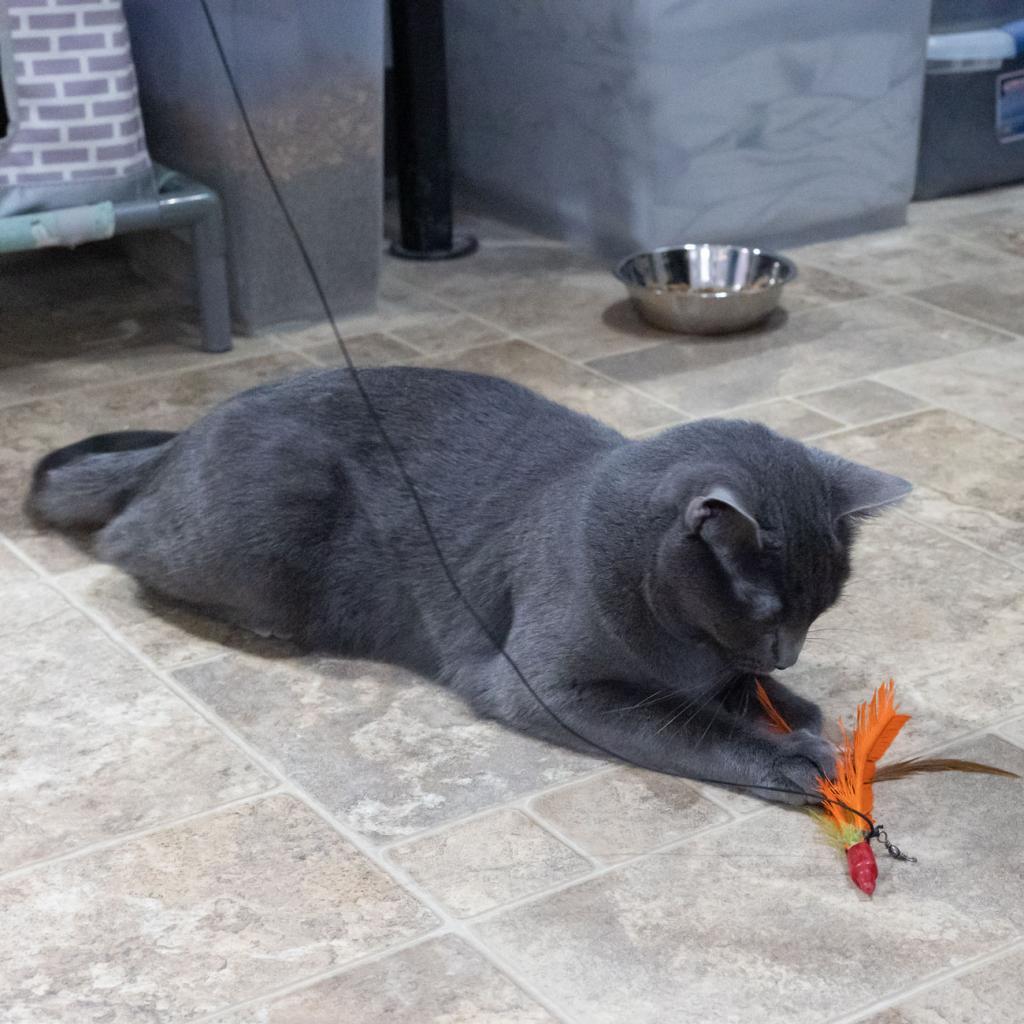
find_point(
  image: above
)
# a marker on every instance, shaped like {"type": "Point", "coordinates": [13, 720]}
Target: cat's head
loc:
{"type": "Point", "coordinates": [756, 538]}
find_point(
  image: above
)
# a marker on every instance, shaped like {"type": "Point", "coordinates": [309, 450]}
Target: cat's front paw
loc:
{"type": "Point", "coordinates": [801, 757]}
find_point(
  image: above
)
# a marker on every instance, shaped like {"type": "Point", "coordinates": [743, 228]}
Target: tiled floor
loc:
{"type": "Point", "coordinates": [199, 825]}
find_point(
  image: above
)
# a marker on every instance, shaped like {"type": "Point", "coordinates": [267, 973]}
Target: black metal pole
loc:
{"type": "Point", "coordinates": [421, 133]}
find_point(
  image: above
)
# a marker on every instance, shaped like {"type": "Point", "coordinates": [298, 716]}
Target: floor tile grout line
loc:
{"type": "Point", "coordinates": [556, 833]}
{"type": "Point", "coordinates": [979, 243]}
{"type": "Point", "coordinates": [879, 293]}
{"type": "Point", "coordinates": [582, 361]}
{"type": "Point", "coordinates": [553, 828]}
{"type": "Point", "coordinates": [523, 801]}
{"type": "Point", "coordinates": [233, 358]}
{"type": "Point", "coordinates": [801, 399]}
{"type": "Point", "coordinates": [625, 385]}
{"type": "Point", "coordinates": [967, 318]}
{"type": "Point", "coordinates": [711, 792]}
{"type": "Point", "coordinates": [967, 736]}
{"type": "Point", "coordinates": [524, 336]}
{"type": "Point", "coordinates": [288, 786]}
{"type": "Point", "coordinates": [878, 421]}
{"type": "Point", "coordinates": [607, 868]}
{"type": "Point", "coordinates": [963, 541]}
{"type": "Point", "coordinates": [126, 837]}
{"type": "Point", "coordinates": [517, 803]}
{"type": "Point", "coordinates": [204, 659]}
{"type": "Point", "coordinates": [347, 337]}
{"type": "Point", "coordinates": [670, 846]}
{"type": "Point", "coordinates": [313, 980]}
{"type": "Point", "coordinates": [948, 408]}
{"type": "Point", "coordinates": [932, 981]}
{"type": "Point", "coordinates": [1002, 730]}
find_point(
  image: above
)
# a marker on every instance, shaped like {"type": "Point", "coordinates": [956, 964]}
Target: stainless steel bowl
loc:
{"type": "Point", "coordinates": [705, 289]}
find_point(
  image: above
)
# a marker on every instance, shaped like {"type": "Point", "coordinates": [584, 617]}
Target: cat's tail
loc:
{"type": "Point", "coordinates": [84, 485]}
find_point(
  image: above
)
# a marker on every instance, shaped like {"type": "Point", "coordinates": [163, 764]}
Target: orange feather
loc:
{"type": "Point", "coordinates": [878, 724]}
{"type": "Point", "coordinates": [778, 723]}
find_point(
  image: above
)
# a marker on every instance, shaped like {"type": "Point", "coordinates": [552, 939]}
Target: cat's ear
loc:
{"type": "Point", "coordinates": [860, 491]}
{"type": "Point", "coordinates": [722, 520]}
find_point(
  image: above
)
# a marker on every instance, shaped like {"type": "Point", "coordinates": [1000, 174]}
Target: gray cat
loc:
{"type": "Point", "coordinates": [640, 586]}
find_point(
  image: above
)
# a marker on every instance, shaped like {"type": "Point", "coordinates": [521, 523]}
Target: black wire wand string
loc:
{"type": "Point", "coordinates": [408, 481]}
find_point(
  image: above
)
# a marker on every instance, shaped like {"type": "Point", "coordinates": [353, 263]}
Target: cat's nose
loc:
{"type": "Point", "coordinates": [788, 645]}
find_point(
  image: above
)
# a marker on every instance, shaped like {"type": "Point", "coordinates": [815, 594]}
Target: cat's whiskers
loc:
{"type": "Point", "coordinates": [707, 728]}
{"type": "Point", "coordinates": [655, 698]}
{"type": "Point", "coordinates": [713, 692]}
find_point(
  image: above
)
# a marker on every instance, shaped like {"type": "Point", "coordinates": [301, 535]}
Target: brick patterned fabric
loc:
{"type": "Point", "coordinates": [76, 131]}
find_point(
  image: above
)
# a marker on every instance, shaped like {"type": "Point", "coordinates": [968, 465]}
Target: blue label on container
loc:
{"type": "Point", "coordinates": [1010, 106]}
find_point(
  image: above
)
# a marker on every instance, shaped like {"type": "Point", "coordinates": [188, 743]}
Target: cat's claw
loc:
{"type": "Point", "coordinates": [802, 757]}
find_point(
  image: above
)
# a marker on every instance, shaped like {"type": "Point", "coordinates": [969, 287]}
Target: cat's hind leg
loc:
{"type": "Point", "coordinates": [185, 571]}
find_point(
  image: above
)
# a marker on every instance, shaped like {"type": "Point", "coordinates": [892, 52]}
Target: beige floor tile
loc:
{"type": "Point", "coordinates": [604, 326]}
{"type": "Point", "coordinates": [995, 297]}
{"type": "Point", "coordinates": [563, 382]}
{"type": "Point", "coordinates": [389, 753]}
{"type": "Point", "coordinates": [937, 213]}
{"type": "Point", "coordinates": [184, 921]}
{"type": "Point", "coordinates": [990, 993]}
{"type": "Point", "coordinates": [138, 344]}
{"type": "Point", "coordinates": [816, 287]}
{"type": "Point", "coordinates": [543, 305]}
{"type": "Point", "coordinates": [55, 552]}
{"type": "Point", "coordinates": [442, 981]}
{"type": "Point", "coordinates": [30, 430]}
{"type": "Point", "coordinates": [170, 634]}
{"type": "Point", "coordinates": [942, 619]}
{"type": "Point", "coordinates": [488, 861]}
{"type": "Point", "coordinates": [450, 335]}
{"type": "Point", "coordinates": [92, 745]}
{"type": "Point", "coordinates": [626, 812]}
{"type": "Point", "coordinates": [862, 401]}
{"type": "Point", "coordinates": [1014, 731]}
{"type": "Point", "coordinates": [997, 228]}
{"type": "Point", "coordinates": [374, 349]}
{"type": "Point", "coordinates": [760, 921]}
{"type": "Point", "coordinates": [787, 417]}
{"type": "Point", "coordinates": [12, 569]}
{"type": "Point", "coordinates": [806, 352]}
{"type": "Point", "coordinates": [988, 385]}
{"type": "Point", "coordinates": [549, 289]}
{"type": "Point", "coordinates": [397, 305]}
{"type": "Point", "coordinates": [968, 476]}
{"type": "Point", "coordinates": [904, 258]}
{"type": "Point", "coordinates": [735, 800]}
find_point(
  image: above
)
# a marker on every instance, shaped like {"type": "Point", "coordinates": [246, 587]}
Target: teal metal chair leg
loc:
{"type": "Point", "coordinates": [179, 203]}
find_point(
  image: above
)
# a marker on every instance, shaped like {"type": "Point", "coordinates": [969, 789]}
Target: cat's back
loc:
{"type": "Point", "coordinates": [423, 408]}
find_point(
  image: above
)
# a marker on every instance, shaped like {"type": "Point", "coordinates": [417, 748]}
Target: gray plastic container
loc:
{"type": "Point", "coordinates": [972, 122]}
{"type": "Point", "coordinates": [311, 74]}
{"type": "Point", "coordinates": [632, 124]}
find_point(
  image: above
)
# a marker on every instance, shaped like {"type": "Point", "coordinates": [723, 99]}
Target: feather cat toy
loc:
{"type": "Point", "coordinates": [848, 799]}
